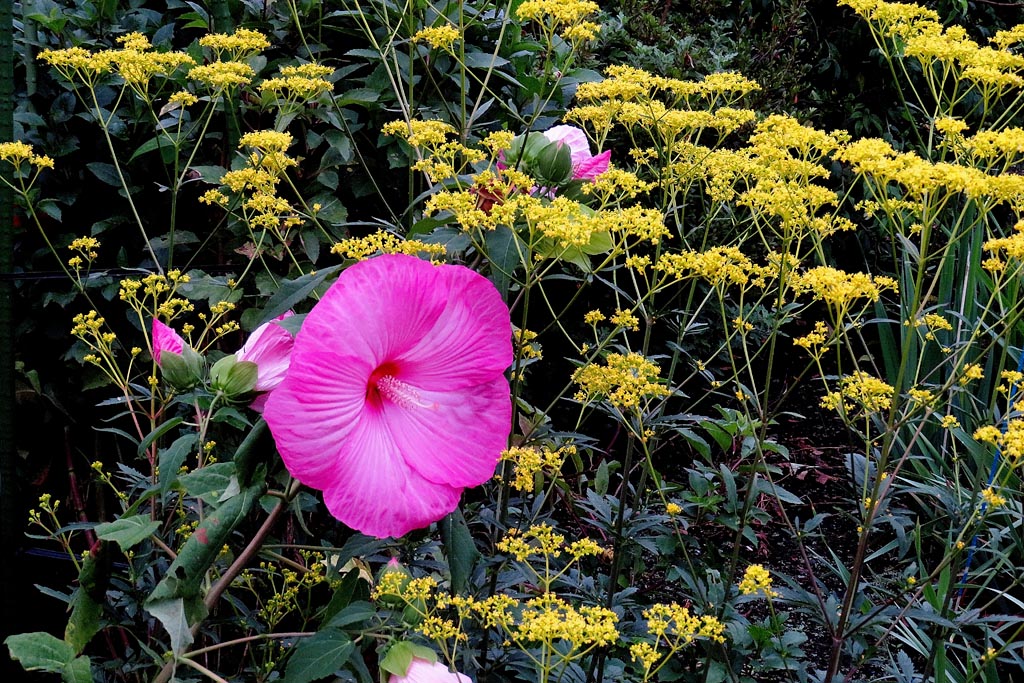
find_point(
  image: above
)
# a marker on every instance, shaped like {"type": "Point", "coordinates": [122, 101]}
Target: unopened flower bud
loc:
{"type": "Point", "coordinates": [234, 378]}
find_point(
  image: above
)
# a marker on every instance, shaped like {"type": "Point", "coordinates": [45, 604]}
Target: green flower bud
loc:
{"type": "Point", "coordinates": [182, 371]}
{"type": "Point", "coordinates": [234, 378]}
{"type": "Point", "coordinates": [554, 164]}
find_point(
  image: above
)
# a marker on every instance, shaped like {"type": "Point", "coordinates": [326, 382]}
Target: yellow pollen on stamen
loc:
{"type": "Point", "coordinates": [401, 393]}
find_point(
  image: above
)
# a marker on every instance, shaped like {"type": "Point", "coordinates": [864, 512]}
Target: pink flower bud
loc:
{"type": "Point", "coordinates": [422, 671]}
{"type": "Point", "coordinates": [165, 339]}
{"type": "Point", "coordinates": [270, 348]}
{"type": "Point", "coordinates": [585, 166]}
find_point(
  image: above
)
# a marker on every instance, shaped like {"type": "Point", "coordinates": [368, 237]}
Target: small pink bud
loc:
{"type": "Point", "coordinates": [165, 339]}
{"type": "Point", "coordinates": [270, 348]}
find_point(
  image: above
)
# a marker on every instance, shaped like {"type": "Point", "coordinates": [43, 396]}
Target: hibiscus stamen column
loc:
{"type": "Point", "coordinates": [400, 393]}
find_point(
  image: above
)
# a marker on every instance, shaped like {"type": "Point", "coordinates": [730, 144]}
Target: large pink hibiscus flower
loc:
{"type": "Point", "coordinates": [395, 399]}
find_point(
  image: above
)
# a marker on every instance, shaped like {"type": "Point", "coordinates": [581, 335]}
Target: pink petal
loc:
{"type": "Point", "coordinates": [422, 671]}
{"type": "Point", "coordinates": [375, 490]}
{"type": "Point", "coordinates": [165, 339]}
{"type": "Point", "coordinates": [590, 168]}
{"type": "Point", "coordinates": [378, 308]}
{"type": "Point", "coordinates": [469, 343]}
{"type": "Point", "coordinates": [472, 425]}
{"type": "Point", "coordinates": [316, 406]}
{"type": "Point", "coordinates": [270, 348]}
{"type": "Point", "coordinates": [572, 136]}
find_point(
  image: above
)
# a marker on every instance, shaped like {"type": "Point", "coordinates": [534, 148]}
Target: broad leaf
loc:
{"type": "Point", "coordinates": [318, 656]}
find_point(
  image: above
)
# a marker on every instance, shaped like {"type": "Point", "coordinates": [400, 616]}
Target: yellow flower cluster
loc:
{"type": "Point", "coordinates": [756, 579]}
{"type": "Point", "coordinates": [860, 390]}
{"type": "Point", "coordinates": [571, 224]}
{"type": "Point", "coordinates": [991, 498]}
{"type": "Point", "coordinates": [971, 372]}
{"type": "Point", "coordinates": [222, 75]}
{"type": "Point", "coordinates": [438, 37]}
{"type": "Point", "coordinates": [719, 266]}
{"type": "Point", "coordinates": [419, 133]}
{"type": "Point", "coordinates": [673, 628]}
{"type": "Point", "coordinates": [528, 461]}
{"type": "Point", "coordinates": [630, 84]}
{"type": "Point", "coordinates": [542, 541]}
{"type": "Point", "coordinates": [241, 44]}
{"type": "Point", "coordinates": [814, 339]}
{"type": "Point", "coordinates": [267, 161]}
{"type": "Point", "coordinates": [615, 183]}
{"type": "Point", "coordinates": [945, 52]}
{"type": "Point", "coordinates": [548, 619]}
{"type": "Point", "coordinates": [18, 153]}
{"type": "Point", "coordinates": [136, 62]}
{"type": "Point", "coordinates": [1003, 248]}
{"type": "Point", "coordinates": [838, 288]}
{"type": "Point", "coordinates": [383, 242]}
{"type": "Point", "coordinates": [1010, 442]}
{"type": "Point", "coordinates": [665, 621]}
{"type": "Point", "coordinates": [300, 83]}
{"type": "Point", "coordinates": [154, 295]}
{"type": "Point", "coordinates": [625, 381]}
{"type": "Point", "coordinates": [86, 248]}
{"type": "Point", "coordinates": [567, 18]}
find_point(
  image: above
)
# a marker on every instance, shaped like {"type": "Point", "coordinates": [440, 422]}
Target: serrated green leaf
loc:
{"type": "Point", "coordinates": [171, 613]}
{"type": "Point", "coordinates": [318, 656]}
{"type": "Point", "coordinates": [398, 658]}
{"type": "Point", "coordinates": [127, 532]}
{"type": "Point", "coordinates": [172, 458]}
{"type": "Point", "coordinates": [40, 651]}
{"type": "Point", "coordinates": [79, 670]}
{"type": "Point", "coordinates": [208, 483]}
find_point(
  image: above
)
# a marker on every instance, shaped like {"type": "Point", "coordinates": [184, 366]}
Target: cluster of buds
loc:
{"type": "Point", "coordinates": [556, 157]}
{"type": "Point", "coordinates": [248, 375]}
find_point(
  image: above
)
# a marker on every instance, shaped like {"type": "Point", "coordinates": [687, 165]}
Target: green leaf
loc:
{"type": "Point", "coordinates": [84, 622]}
{"type": "Point", "coordinates": [398, 658]}
{"type": "Point", "coordinates": [40, 651]}
{"type": "Point", "coordinates": [601, 479]}
{"type": "Point", "coordinates": [318, 656]}
{"type": "Point", "coordinates": [165, 146]}
{"type": "Point", "coordinates": [357, 96]}
{"type": "Point", "coordinates": [504, 257]}
{"type": "Point", "coordinates": [127, 531]}
{"type": "Point", "coordinates": [171, 613]}
{"type": "Point", "coordinates": [171, 459]}
{"type": "Point", "coordinates": [292, 292]}
{"type": "Point", "coordinates": [87, 601]}
{"type": "Point", "coordinates": [484, 60]}
{"type": "Point", "coordinates": [157, 433]}
{"type": "Point", "coordinates": [210, 482]}
{"type": "Point", "coordinates": [184, 578]}
{"type": "Point", "coordinates": [460, 548]}
{"type": "Point", "coordinates": [105, 172]}
{"type": "Point", "coordinates": [210, 174]}
{"type": "Point", "coordinates": [355, 613]}
{"type": "Point", "coordinates": [78, 670]}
